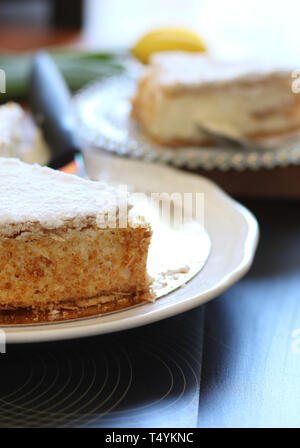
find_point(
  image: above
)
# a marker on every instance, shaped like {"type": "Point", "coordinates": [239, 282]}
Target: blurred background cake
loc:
{"type": "Point", "coordinates": [180, 92]}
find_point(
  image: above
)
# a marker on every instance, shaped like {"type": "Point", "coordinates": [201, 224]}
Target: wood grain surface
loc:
{"type": "Point", "coordinates": [146, 377]}
{"type": "Point", "coordinates": [276, 183]}
{"type": "Point", "coordinates": [251, 365]}
{"type": "Point", "coordinates": [24, 38]}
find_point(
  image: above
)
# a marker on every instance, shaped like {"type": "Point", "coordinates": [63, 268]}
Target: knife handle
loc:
{"type": "Point", "coordinates": [50, 102]}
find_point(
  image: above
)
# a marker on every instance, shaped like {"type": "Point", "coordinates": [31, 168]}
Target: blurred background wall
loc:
{"type": "Point", "coordinates": [254, 28]}
{"type": "Point", "coordinates": [42, 13]}
{"type": "Point", "coordinates": [232, 28]}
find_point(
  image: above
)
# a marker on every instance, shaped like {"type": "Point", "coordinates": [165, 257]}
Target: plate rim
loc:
{"type": "Point", "coordinates": [249, 245]}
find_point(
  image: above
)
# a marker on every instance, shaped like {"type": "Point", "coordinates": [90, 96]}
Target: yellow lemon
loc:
{"type": "Point", "coordinates": [167, 39]}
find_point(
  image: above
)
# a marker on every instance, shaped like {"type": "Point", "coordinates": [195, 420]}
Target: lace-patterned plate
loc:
{"type": "Point", "coordinates": [102, 111]}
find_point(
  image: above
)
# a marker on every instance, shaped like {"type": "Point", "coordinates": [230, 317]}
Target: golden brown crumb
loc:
{"type": "Point", "coordinates": [73, 268]}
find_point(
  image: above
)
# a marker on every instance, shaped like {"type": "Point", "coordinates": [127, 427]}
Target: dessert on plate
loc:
{"type": "Point", "coordinates": [19, 137]}
{"type": "Point", "coordinates": [11, 115]}
{"type": "Point", "coordinates": [180, 91]}
{"type": "Point", "coordinates": [56, 254]}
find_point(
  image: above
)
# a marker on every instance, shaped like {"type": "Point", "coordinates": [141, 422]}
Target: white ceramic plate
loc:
{"type": "Point", "coordinates": [233, 231]}
{"type": "Point", "coordinates": [103, 109]}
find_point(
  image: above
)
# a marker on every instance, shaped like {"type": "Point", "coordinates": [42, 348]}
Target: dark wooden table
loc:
{"type": "Point", "coordinates": [251, 364]}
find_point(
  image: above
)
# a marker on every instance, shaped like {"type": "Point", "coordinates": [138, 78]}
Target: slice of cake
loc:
{"type": "Point", "coordinates": [179, 91]}
{"type": "Point", "coordinates": [11, 115]}
{"type": "Point", "coordinates": [56, 253]}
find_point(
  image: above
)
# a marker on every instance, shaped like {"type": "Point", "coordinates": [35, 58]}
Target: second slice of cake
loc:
{"type": "Point", "coordinates": [179, 92]}
{"type": "Point", "coordinates": [53, 253]}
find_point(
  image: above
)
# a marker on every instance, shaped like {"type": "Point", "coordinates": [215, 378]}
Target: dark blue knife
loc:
{"type": "Point", "coordinates": [50, 102]}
